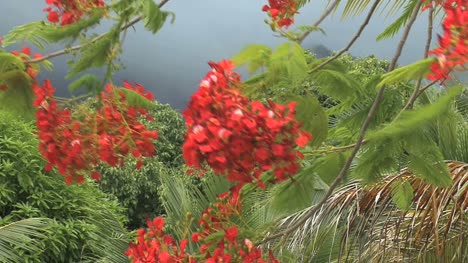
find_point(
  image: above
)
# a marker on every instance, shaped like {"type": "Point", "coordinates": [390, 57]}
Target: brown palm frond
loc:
{"type": "Point", "coordinates": [366, 225]}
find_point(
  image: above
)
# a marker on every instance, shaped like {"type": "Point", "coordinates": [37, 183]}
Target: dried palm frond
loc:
{"type": "Point", "coordinates": [363, 224]}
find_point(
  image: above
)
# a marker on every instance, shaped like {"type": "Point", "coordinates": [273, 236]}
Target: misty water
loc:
{"type": "Point", "coordinates": [172, 62]}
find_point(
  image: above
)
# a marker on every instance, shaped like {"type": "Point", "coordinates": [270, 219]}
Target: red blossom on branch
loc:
{"type": "Point", "coordinates": [238, 137]}
{"type": "Point", "coordinates": [76, 142]}
{"type": "Point", "coordinates": [281, 11]}
{"type": "Point", "coordinates": [68, 12]}
{"type": "Point", "coordinates": [453, 44]}
{"type": "Point", "coordinates": [153, 245]}
{"type": "Point", "coordinates": [218, 237]}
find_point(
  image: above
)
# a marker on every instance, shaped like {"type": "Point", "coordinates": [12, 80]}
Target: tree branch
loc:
{"type": "Point", "coordinates": [317, 23]}
{"type": "Point", "coordinates": [78, 47]}
{"type": "Point", "coordinates": [355, 37]}
{"type": "Point", "coordinates": [360, 139]}
{"type": "Point", "coordinates": [416, 91]}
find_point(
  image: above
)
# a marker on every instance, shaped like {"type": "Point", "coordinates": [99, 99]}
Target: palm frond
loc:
{"type": "Point", "coordinates": [23, 233]}
{"type": "Point", "coordinates": [368, 226]}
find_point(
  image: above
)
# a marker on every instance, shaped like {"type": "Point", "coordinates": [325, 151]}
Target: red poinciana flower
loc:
{"type": "Point", "coordinates": [69, 11]}
{"type": "Point", "coordinates": [219, 238]}
{"type": "Point", "coordinates": [75, 142]}
{"type": "Point", "coordinates": [453, 44]}
{"type": "Point", "coordinates": [281, 11]}
{"type": "Point", "coordinates": [238, 137]}
{"type": "Point", "coordinates": [154, 246]}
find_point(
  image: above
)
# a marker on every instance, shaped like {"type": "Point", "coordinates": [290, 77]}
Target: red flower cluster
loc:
{"type": "Point", "coordinates": [453, 45]}
{"type": "Point", "coordinates": [239, 137]}
{"type": "Point", "coordinates": [69, 11]}
{"type": "Point", "coordinates": [76, 141]}
{"type": "Point", "coordinates": [155, 246]}
{"type": "Point", "coordinates": [218, 236]}
{"type": "Point", "coordinates": [31, 70]}
{"type": "Point", "coordinates": [281, 11]}
{"type": "Point", "coordinates": [228, 247]}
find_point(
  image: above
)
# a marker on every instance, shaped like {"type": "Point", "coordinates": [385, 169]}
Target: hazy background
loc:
{"type": "Point", "coordinates": [172, 62]}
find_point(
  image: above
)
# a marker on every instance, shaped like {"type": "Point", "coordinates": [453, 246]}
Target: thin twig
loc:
{"type": "Point", "coordinates": [360, 140]}
{"type": "Point", "coordinates": [355, 37]}
{"type": "Point", "coordinates": [416, 92]}
{"type": "Point", "coordinates": [317, 23]}
{"type": "Point", "coordinates": [421, 91]}
{"type": "Point", "coordinates": [78, 47]}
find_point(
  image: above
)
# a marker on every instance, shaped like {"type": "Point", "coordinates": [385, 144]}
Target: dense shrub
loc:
{"type": "Point", "coordinates": [86, 224]}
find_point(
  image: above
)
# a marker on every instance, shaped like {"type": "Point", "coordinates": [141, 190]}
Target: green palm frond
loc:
{"type": "Point", "coordinates": [110, 240]}
{"type": "Point", "coordinates": [368, 227]}
{"type": "Point", "coordinates": [23, 233]}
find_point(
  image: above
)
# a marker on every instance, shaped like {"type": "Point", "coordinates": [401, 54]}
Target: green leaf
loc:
{"type": "Point", "coordinates": [96, 55]}
{"type": "Point", "coordinates": [135, 99]}
{"type": "Point", "coordinates": [291, 56]}
{"type": "Point", "coordinates": [305, 189]}
{"type": "Point", "coordinates": [88, 81]}
{"type": "Point", "coordinates": [18, 97]}
{"type": "Point", "coordinates": [40, 33]}
{"type": "Point", "coordinates": [435, 173]}
{"type": "Point", "coordinates": [9, 61]}
{"type": "Point", "coordinates": [329, 166]}
{"type": "Point", "coordinates": [255, 55]}
{"type": "Point", "coordinates": [377, 159]}
{"type": "Point", "coordinates": [402, 194]}
{"type": "Point", "coordinates": [313, 117]}
{"type": "Point", "coordinates": [409, 121]}
{"type": "Point", "coordinates": [154, 18]}
{"type": "Point", "coordinates": [393, 28]}
{"type": "Point", "coordinates": [410, 72]}
{"type": "Point", "coordinates": [425, 160]}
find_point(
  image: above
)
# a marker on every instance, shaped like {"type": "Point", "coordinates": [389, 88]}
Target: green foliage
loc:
{"type": "Point", "coordinates": [410, 72]}
{"type": "Point", "coordinates": [154, 18]}
{"type": "Point", "coordinates": [96, 55]}
{"type": "Point", "coordinates": [328, 166]}
{"type": "Point", "coordinates": [23, 234]}
{"type": "Point", "coordinates": [313, 117]}
{"type": "Point", "coordinates": [402, 194]}
{"type": "Point", "coordinates": [410, 121]}
{"type": "Point", "coordinates": [284, 70]}
{"type": "Point", "coordinates": [88, 81]}
{"type": "Point", "coordinates": [255, 56]}
{"type": "Point", "coordinates": [293, 195]}
{"type": "Point", "coordinates": [171, 131]}
{"type": "Point", "coordinates": [137, 190]}
{"type": "Point", "coordinates": [73, 233]}
{"type": "Point", "coordinates": [41, 33]}
{"type": "Point", "coordinates": [408, 135]}
{"type": "Point", "coordinates": [135, 99]}
{"type": "Point", "coordinates": [399, 23]}
{"type": "Point", "coordinates": [16, 95]}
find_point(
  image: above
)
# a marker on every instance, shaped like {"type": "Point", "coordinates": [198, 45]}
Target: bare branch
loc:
{"type": "Point", "coordinates": [355, 37]}
{"type": "Point", "coordinates": [416, 91]}
{"type": "Point", "coordinates": [317, 23]}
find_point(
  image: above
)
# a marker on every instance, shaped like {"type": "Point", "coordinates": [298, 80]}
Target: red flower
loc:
{"type": "Point", "coordinates": [452, 52]}
{"type": "Point", "coordinates": [231, 233]}
{"type": "Point", "coordinates": [238, 137]}
{"type": "Point", "coordinates": [69, 11]}
{"type": "Point", "coordinates": [281, 11]}
{"type": "Point", "coordinates": [53, 17]}
{"type": "Point", "coordinates": [76, 145]}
